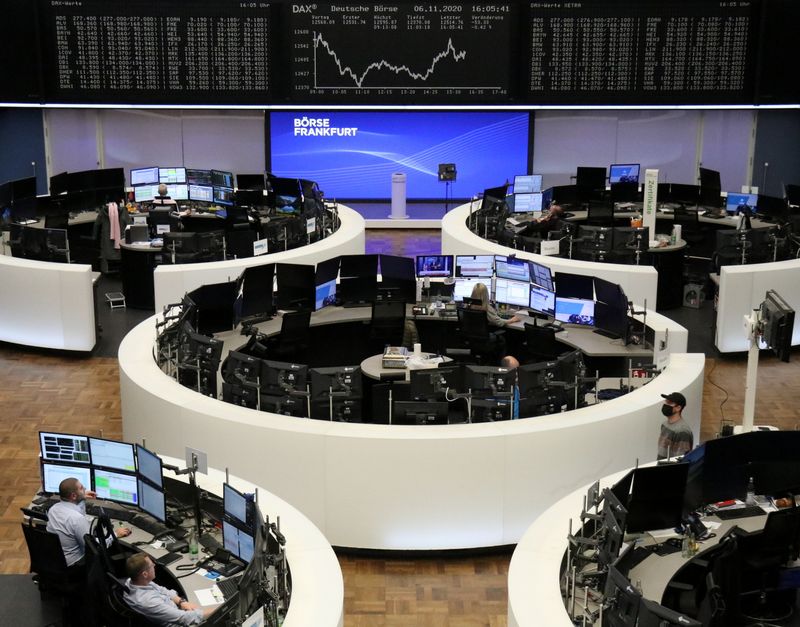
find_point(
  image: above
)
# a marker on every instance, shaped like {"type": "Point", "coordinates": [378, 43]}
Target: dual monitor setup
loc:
{"type": "Point", "coordinates": [523, 284]}
{"type": "Point", "coordinates": [206, 186]}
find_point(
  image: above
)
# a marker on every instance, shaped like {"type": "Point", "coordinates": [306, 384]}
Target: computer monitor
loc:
{"type": "Point", "coordinates": [623, 173]}
{"type": "Point", "coordinates": [435, 383]}
{"type": "Point", "coordinates": [296, 289]}
{"type": "Point", "coordinates": [144, 176]}
{"type": "Point", "coordinates": [358, 283]}
{"type": "Point", "coordinates": [419, 412]}
{"type": "Point", "coordinates": [490, 381]}
{"type": "Point", "coordinates": [540, 275]}
{"type": "Point", "coordinates": [279, 377]}
{"type": "Point", "coordinates": [611, 320]}
{"type": "Point", "coordinates": [778, 318]}
{"type": "Point", "coordinates": [325, 294]}
{"type": "Point", "coordinates": [145, 193]}
{"type": "Point", "coordinates": [590, 178]}
{"type": "Point", "coordinates": [595, 238]}
{"type": "Point", "coordinates": [220, 178]}
{"type": "Point", "coordinates": [358, 266]}
{"type": "Point", "coordinates": [463, 287]}
{"type": "Point", "coordinates": [528, 203]}
{"type": "Point", "coordinates": [439, 266]}
{"type": "Point", "coordinates": [112, 454]}
{"type": "Point", "coordinates": [710, 188]}
{"type": "Point", "coordinates": [608, 292]}
{"type": "Point", "coordinates": [625, 192]}
{"type": "Point", "coordinates": [494, 198]}
{"type": "Point", "coordinates": [250, 181]}
{"type": "Point", "coordinates": [652, 614]}
{"type": "Point", "coordinates": [622, 600]}
{"type": "Point", "coordinates": [397, 278]}
{"type": "Point", "coordinates": [198, 177]}
{"type": "Point", "coordinates": [58, 184]}
{"type": "Point", "coordinates": [237, 506]}
{"type": "Point", "coordinates": [223, 195]}
{"type": "Point", "coordinates": [237, 394]}
{"type": "Point", "coordinates": [116, 486]}
{"type": "Point", "coordinates": [150, 467]}
{"type": "Point", "coordinates": [508, 292]}
{"type": "Point", "coordinates": [739, 203]}
{"type": "Point", "coordinates": [657, 496]}
{"type": "Point", "coordinates": [527, 183]}
{"type": "Point", "coordinates": [152, 500]}
{"type": "Point", "coordinates": [171, 175]}
{"type": "Point", "coordinates": [338, 381]}
{"type": "Point", "coordinates": [241, 369]}
{"type": "Point", "coordinates": [575, 311]}
{"type": "Point", "coordinates": [613, 534]}
{"type": "Point", "coordinates": [542, 301]}
{"type": "Point", "coordinates": [237, 541]}
{"type": "Point", "coordinates": [201, 193]}
{"type": "Point", "coordinates": [54, 474]}
{"type": "Point", "coordinates": [512, 268]}
{"type": "Point", "coordinates": [725, 469]}
{"type": "Point", "coordinates": [574, 286]}
{"type": "Point", "coordinates": [475, 266]}
{"type": "Point", "coordinates": [65, 448]}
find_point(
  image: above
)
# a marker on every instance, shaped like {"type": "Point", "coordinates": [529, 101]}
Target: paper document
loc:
{"type": "Point", "coordinates": [209, 596]}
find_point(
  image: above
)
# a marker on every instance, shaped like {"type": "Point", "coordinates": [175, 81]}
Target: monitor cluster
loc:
{"type": "Point", "coordinates": [118, 471]}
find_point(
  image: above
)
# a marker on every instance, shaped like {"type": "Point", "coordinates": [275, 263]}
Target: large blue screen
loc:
{"type": "Point", "coordinates": [353, 154]}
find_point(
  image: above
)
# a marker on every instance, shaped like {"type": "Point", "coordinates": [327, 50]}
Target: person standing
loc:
{"type": "Point", "coordinates": [676, 437]}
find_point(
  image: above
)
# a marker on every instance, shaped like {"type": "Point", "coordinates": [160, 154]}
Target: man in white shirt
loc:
{"type": "Point", "coordinates": [67, 519]}
{"type": "Point", "coordinates": [157, 603]}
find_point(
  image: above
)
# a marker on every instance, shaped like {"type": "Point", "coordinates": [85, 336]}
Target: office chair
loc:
{"type": "Point", "coordinates": [763, 553]}
{"type": "Point", "coordinates": [720, 605]}
{"type": "Point", "coordinates": [541, 343]}
{"type": "Point", "coordinates": [116, 598]}
{"type": "Point", "coordinates": [388, 323]}
{"type": "Point", "coordinates": [294, 338]}
{"type": "Point", "coordinates": [52, 574]}
{"type": "Point", "coordinates": [473, 329]}
{"type": "Point", "coordinates": [530, 244]}
{"type": "Point", "coordinates": [692, 232]}
{"type": "Point", "coordinates": [239, 242]}
{"type": "Point", "coordinates": [98, 589]}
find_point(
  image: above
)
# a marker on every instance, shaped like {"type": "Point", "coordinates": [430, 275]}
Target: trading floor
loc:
{"type": "Point", "coordinates": [44, 390]}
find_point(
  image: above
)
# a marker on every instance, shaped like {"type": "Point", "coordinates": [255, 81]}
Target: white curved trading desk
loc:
{"type": "Point", "coordinates": [403, 487]}
{"type": "Point", "coordinates": [742, 289]}
{"type": "Point", "coordinates": [317, 585]}
{"type": "Point", "coordinates": [171, 282]}
{"type": "Point", "coordinates": [46, 304]}
{"type": "Point", "coordinates": [640, 283]}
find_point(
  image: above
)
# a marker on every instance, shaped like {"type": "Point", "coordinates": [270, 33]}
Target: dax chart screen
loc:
{"type": "Point", "coordinates": [404, 51]}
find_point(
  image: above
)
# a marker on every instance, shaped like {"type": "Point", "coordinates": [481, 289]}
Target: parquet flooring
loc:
{"type": "Point", "coordinates": [46, 391]}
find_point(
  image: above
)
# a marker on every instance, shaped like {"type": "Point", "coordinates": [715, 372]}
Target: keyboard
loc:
{"type": "Point", "coordinates": [229, 587]}
{"type": "Point", "coordinates": [740, 512]}
{"type": "Point", "coordinates": [149, 524]}
{"type": "Point", "coordinates": [168, 558]}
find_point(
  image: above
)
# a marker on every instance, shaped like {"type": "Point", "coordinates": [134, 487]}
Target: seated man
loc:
{"type": "Point", "coordinates": [549, 222]}
{"type": "Point", "coordinates": [67, 519]}
{"type": "Point", "coordinates": [163, 197]}
{"type": "Point", "coordinates": [157, 603]}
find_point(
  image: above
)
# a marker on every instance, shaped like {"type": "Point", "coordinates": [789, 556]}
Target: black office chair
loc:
{"type": "Point", "coordinates": [541, 343]}
{"type": "Point", "coordinates": [388, 323]}
{"type": "Point", "coordinates": [720, 605]}
{"type": "Point", "coordinates": [239, 242]}
{"type": "Point", "coordinates": [763, 553]}
{"type": "Point", "coordinates": [116, 599]}
{"type": "Point", "coordinates": [693, 232]}
{"type": "Point", "coordinates": [294, 338]}
{"type": "Point", "coordinates": [473, 329]}
{"type": "Point", "coordinates": [601, 213]}
{"type": "Point", "coordinates": [52, 574]}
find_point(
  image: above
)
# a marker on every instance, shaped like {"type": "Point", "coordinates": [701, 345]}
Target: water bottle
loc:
{"type": "Point", "coordinates": [751, 493]}
{"type": "Point", "coordinates": [194, 549]}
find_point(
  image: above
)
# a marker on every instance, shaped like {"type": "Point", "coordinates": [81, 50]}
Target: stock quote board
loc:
{"type": "Point", "coordinates": [240, 52]}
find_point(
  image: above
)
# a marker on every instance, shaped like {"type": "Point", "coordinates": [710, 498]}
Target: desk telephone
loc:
{"type": "Point", "coordinates": [222, 563]}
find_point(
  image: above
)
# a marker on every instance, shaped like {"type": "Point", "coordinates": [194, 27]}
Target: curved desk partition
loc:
{"type": "Point", "coordinates": [742, 289]}
{"type": "Point", "coordinates": [171, 282]}
{"type": "Point", "coordinates": [639, 282]}
{"type": "Point", "coordinates": [317, 585]}
{"type": "Point", "coordinates": [45, 304]}
{"type": "Point", "coordinates": [397, 487]}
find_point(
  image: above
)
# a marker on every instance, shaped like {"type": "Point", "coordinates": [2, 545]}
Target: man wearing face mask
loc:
{"type": "Point", "coordinates": [676, 436]}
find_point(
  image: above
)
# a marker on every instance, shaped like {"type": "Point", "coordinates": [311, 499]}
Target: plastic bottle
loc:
{"type": "Point", "coordinates": [194, 549]}
{"type": "Point", "coordinates": [685, 546]}
{"type": "Point", "coordinates": [673, 238]}
{"type": "Point", "coordinates": [751, 493]}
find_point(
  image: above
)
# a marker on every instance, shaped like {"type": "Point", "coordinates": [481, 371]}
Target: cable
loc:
{"type": "Point", "coordinates": [723, 390]}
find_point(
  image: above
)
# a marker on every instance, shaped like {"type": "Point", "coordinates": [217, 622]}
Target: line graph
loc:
{"type": "Point", "coordinates": [400, 52]}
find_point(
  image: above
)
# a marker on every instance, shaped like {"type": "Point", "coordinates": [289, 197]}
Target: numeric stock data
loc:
{"type": "Point", "coordinates": [166, 51]}
{"type": "Point", "coordinates": [433, 52]}
{"type": "Point", "coordinates": [593, 52]}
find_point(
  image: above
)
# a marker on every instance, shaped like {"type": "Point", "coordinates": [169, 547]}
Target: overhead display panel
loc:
{"type": "Point", "coordinates": [168, 51]}
{"type": "Point", "coordinates": [401, 52]}
{"type": "Point", "coordinates": [623, 52]}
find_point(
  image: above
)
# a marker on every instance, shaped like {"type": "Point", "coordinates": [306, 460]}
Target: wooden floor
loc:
{"type": "Point", "coordinates": [51, 392]}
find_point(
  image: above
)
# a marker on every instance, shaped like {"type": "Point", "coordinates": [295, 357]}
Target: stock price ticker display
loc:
{"type": "Point", "coordinates": [140, 50]}
{"type": "Point", "coordinates": [641, 52]}
{"type": "Point", "coordinates": [416, 52]}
